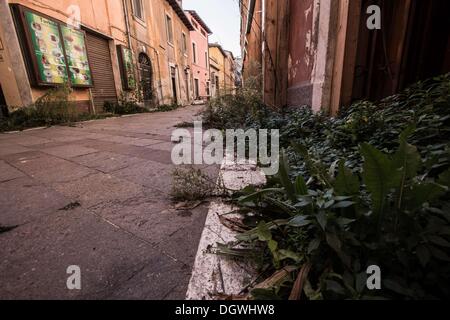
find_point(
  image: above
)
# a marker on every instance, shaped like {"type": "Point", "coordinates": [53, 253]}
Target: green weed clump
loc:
{"type": "Point", "coordinates": [167, 107]}
{"type": "Point", "coordinates": [54, 107]}
{"type": "Point", "coordinates": [368, 187]}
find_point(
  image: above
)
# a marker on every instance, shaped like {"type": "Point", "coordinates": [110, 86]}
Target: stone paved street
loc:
{"type": "Point", "coordinates": [126, 236]}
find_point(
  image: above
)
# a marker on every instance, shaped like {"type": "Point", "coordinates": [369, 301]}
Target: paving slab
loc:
{"type": "Point", "coordinates": [35, 257]}
{"type": "Point", "coordinates": [147, 153]}
{"type": "Point", "coordinates": [150, 174]}
{"type": "Point", "coordinates": [8, 172]}
{"type": "Point", "coordinates": [152, 220]}
{"type": "Point", "coordinates": [106, 161]}
{"type": "Point", "coordinates": [47, 168]}
{"type": "Point", "coordinates": [97, 188]}
{"type": "Point", "coordinates": [10, 148]}
{"type": "Point", "coordinates": [69, 151]}
{"type": "Point", "coordinates": [25, 199]}
{"type": "Point", "coordinates": [182, 244]}
{"type": "Point", "coordinates": [30, 140]}
{"type": "Point", "coordinates": [95, 195]}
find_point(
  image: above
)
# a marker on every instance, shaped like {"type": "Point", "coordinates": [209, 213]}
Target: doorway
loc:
{"type": "Point", "coordinates": [3, 106]}
{"type": "Point", "coordinates": [186, 84]}
{"type": "Point", "coordinates": [146, 73]}
{"type": "Point", "coordinates": [174, 84]}
{"type": "Point", "coordinates": [196, 89]}
{"type": "Point", "coordinates": [102, 72]}
{"type": "Point", "coordinates": [217, 86]}
{"type": "Point", "coordinates": [413, 44]}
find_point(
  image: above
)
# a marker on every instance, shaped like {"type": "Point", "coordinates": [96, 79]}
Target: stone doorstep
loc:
{"type": "Point", "coordinates": [212, 273]}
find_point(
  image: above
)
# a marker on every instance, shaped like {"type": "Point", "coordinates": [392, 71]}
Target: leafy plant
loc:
{"type": "Point", "coordinates": [167, 107]}
{"type": "Point", "coordinates": [54, 107]}
{"type": "Point", "coordinates": [368, 187]}
{"type": "Point", "coordinates": [127, 104]}
{"type": "Point", "coordinates": [342, 232]}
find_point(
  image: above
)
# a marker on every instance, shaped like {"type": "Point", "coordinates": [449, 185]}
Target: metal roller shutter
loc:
{"type": "Point", "coordinates": [102, 72]}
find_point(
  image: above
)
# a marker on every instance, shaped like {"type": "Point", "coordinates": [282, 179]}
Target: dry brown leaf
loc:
{"type": "Point", "coordinates": [188, 205]}
{"type": "Point", "coordinates": [276, 278]}
{"type": "Point", "coordinates": [234, 224]}
{"type": "Point", "coordinates": [300, 282]}
{"type": "Point", "coordinates": [223, 296]}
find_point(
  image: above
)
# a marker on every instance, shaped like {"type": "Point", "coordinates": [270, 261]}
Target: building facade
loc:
{"type": "Point", "coordinates": [200, 57]}
{"type": "Point", "coordinates": [217, 69]}
{"type": "Point", "coordinates": [326, 53]}
{"type": "Point", "coordinates": [104, 50]}
{"type": "Point", "coordinates": [251, 37]}
{"type": "Point", "coordinates": [222, 68]}
{"type": "Point", "coordinates": [230, 73]}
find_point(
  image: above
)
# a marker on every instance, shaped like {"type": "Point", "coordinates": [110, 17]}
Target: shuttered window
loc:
{"type": "Point", "coordinates": [184, 42]}
{"type": "Point", "coordinates": [194, 52]}
{"type": "Point", "coordinates": [100, 57]}
{"type": "Point", "coordinates": [169, 29]}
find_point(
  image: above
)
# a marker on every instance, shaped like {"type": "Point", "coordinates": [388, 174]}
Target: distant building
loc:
{"type": "Point", "coordinates": [323, 54]}
{"type": "Point", "coordinates": [238, 72]}
{"type": "Point", "coordinates": [222, 70]}
{"type": "Point", "coordinates": [200, 56]}
{"type": "Point", "coordinates": [230, 73]}
{"type": "Point", "coordinates": [217, 69]}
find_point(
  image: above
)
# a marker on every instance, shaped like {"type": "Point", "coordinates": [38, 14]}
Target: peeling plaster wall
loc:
{"type": "Point", "coordinates": [302, 49]}
{"type": "Point", "coordinates": [311, 52]}
{"type": "Point", "coordinates": [13, 75]}
{"type": "Point", "coordinates": [253, 59]}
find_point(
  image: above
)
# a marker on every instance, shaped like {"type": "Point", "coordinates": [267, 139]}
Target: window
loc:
{"type": "Point", "coordinates": [194, 52]}
{"type": "Point", "coordinates": [184, 42]}
{"type": "Point", "coordinates": [203, 33]}
{"type": "Point", "coordinates": [169, 29]}
{"type": "Point", "coordinates": [138, 9]}
{"type": "Point", "coordinates": [206, 59]}
{"type": "Point", "coordinates": [194, 24]}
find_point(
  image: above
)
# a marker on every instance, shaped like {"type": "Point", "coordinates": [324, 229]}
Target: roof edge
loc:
{"type": "Point", "coordinates": [180, 13]}
{"type": "Point", "coordinates": [195, 15]}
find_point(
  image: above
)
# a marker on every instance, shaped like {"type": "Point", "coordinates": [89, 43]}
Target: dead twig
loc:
{"type": "Point", "coordinates": [300, 282]}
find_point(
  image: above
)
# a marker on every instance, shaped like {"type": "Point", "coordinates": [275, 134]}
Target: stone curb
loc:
{"type": "Point", "coordinates": [213, 274]}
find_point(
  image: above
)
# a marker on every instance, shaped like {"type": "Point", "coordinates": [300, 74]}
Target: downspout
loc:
{"type": "Point", "coordinates": [251, 10]}
{"type": "Point", "coordinates": [159, 75]}
{"type": "Point", "coordinates": [127, 22]}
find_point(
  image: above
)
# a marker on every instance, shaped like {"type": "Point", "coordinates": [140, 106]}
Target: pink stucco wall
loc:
{"type": "Point", "coordinates": [200, 68]}
{"type": "Point", "coordinates": [301, 53]}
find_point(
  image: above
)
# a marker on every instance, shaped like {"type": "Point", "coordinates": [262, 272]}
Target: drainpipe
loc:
{"type": "Point", "coordinates": [127, 22]}
{"type": "Point", "coordinates": [159, 75]}
{"type": "Point", "coordinates": [251, 10]}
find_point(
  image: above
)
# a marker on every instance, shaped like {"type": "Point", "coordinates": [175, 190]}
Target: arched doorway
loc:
{"type": "Point", "coordinates": [146, 73]}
